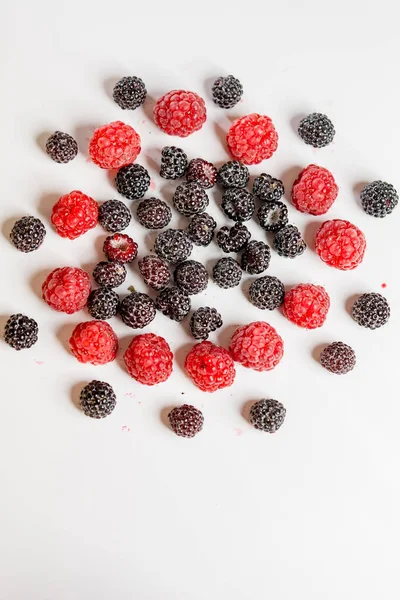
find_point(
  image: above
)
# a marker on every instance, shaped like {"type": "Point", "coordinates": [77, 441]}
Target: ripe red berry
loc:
{"type": "Point", "coordinates": [180, 113]}
{"type": "Point", "coordinates": [74, 214]}
{"type": "Point", "coordinates": [210, 367]}
{"type": "Point", "coordinates": [340, 244]}
{"type": "Point", "coordinates": [314, 190]}
{"type": "Point", "coordinates": [114, 145]}
{"type": "Point", "coordinates": [120, 247]}
{"type": "Point", "coordinates": [149, 359]}
{"type": "Point", "coordinates": [251, 139]}
{"type": "Point", "coordinates": [66, 289]}
{"type": "Point", "coordinates": [257, 346]}
{"type": "Point", "coordinates": [94, 342]}
{"type": "Point", "coordinates": [306, 305]}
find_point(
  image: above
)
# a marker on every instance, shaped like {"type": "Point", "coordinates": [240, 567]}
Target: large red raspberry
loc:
{"type": "Point", "coordinates": [251, 139]}
{"type": "Point", "coordinates": [340, 244]}
{"type": "Point", "coordinates": [257, 346]}
{"type": "Point", "coordinates": [74, 214]}
{"type": "Point", "coordinates": [66, 289]}
{"type": "Point", "coordinates": [120, 247]}
{"type": "Point", "coordinates": [210, 367]}
{"type": "Point", "coordinates": [180, 113]}
{"type": "Point", "coordinates": [114, 145]}
{"type": "Point", "coordinates": [314, 190]}
{"type": "Point", "coordinates": [149, 359]}
{"type": "Point", "coordinates": [307, 305]}
{"type": "Point", "coordinates": [94, 342]}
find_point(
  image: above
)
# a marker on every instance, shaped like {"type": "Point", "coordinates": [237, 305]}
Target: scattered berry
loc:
{"type": "Point", "coordinates": [227, 273]}
{"type": "Point", "coordinates": [61, 147]}
{"type": "Point", "coordinates": [268, 188]}
{"type": "Point", "coordinates": [252, 139]}
{"type": "Point", "coordinates": [103, 303]}
{"type": "Point", "coordinates": [66, 289]}
{"type": "Point", "coordinates": [155, 272]}
{"type": "Point", "coordinates": [233, 239]}
{"type": "Point", "coordinates": [371, 310]}
{"type": "Point", "coordinates": [114, 215]}
{"type": "Point", "coordinates": [379, 198]}
{"type": "Point", "coordinates": [129, 93]}
{"type": "Point", "coordinates": [173, 303]}
{"type": "Point", "coordinates": [137, 310]}
{"type": "Point", "coordinates": [340, 244]}
{"type": "Point", "coordinates": [94, 342]}
{"type": "Point", "coordinates": [153, 213]}
{"type": "Point", "coordinates": [256, 257]}
{"type": "Point", "coordinates": [210, 367]}
{"type": "Point", "coordinates": [109, 274]}
{"type": "Point", "coordinates": [306, 305]}
{"type": "Point", "coordinates": [227, 91]}
{"type": "Point", "coordinates": [173, 245]}
{"type": "Point", "coordinates": [132, 181]}
{"type": "Point", "coordinates": [114, 145]}
{"type": "Point", "coordinates": [267, 415]}
{"type": "Point", "coordinates": [316, 130]}
{"type": "Point", "coordinates": [314, 190]}
{"type": "Point", "coordinates": [148, 359]}
{"type": "Point", "coordinates": [257, 346]}
{"type": "Point", "coordinates": [267, 292]}
{"type": "Point", "coordinates": [174, 162]}
{"type": "Point", "coordinates": [28, 234]}
{"type": "Point", "coordinates": [120, 247]}
{"type": "Point", "coordinates": [272, 216]}
{"type": "Point", "coordinates": [186, 420]}
{"type": "Point", "coordinates": [191, 277]}
{"type": "Point", "coordinates": [238, 204]}
{"type": "Point", "coordinates": [180, 113]}
{"type": "Point", "coordinates": [190, 199]}
{"type": "Point", "coordinates": [233, 174]}
{"type": "Point", "coordinates": [338, 358]}
{"type": "Point", "coordinates": [21, 332]}
{"type": "Point", "coordinates": [288, 242]}
{"type": "Point", "coordinates": [204, 321]}
{"type": "Point", "coordinates": [202, 172]}
{"type": "Point", "coordinates": [74, 214]}
{"type": "Point", "coordinates": [201, 229]}
{"type": "Point", "coordinates": [98, 399]}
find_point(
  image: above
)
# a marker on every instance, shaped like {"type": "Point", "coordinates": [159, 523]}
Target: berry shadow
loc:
{"type": "Point", "coordinates": [8, 224]}
{"type": "Point", "coordinates": [164, 415]}
{"type": "Point", "coordinates": [225, 334]}
{"type": "Point", "coordinates": [41, 140]}
{"type": "Point", "coordinates": [309, 234]}
{"type": "Point", "coordinates": [98, 245]}
{"type": "Point", "coordinates": [180, 356]}
{"type": "Point", "coordinates": [111, 175]}
{"type": "Point", "coordinates": [82, 134]}
{"type": "Point", "coordinates": [149, 239]}
{"type": "Point", "coordinates": [357, 189]}
{"type": "Point", "coordinates": [76, 393]}
{"type": "Point", "coordinates": [3, 321]}
{"type": "Point", "coordinates": [349, 303]}
{"type": "Point", "coordinates": [245, 410]}
{"type": "Point", "coordinates": [63, 334]}
{"type": "Point", "coordinates": [46, 203]}
{"type": "Point", "coordinates": [148, 107]}
{"type": "Point", "coordinates": [220, 132]}
{"type": "Point", "coordinates": [288, 177]}
{"type": "Point", "coordinates": [109, 84]}
{"type": "Point", "coordinates": [37, 281]}
{"type": "Point", "coordinates": [316, 352]}
{"type": "Point", "coordinates": [295, 122]}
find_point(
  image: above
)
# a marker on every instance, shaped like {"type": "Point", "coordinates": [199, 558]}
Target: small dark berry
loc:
{"type": "Point", "coordinates": [109, 274]}
{"type": "Point", "coordinates": [129, 93]}
{"type": "Point", "coordinates": [191, 276]}
{"type": "Point", "coordinates": [201, 229]}
{"type": "Point", "coordinates": [267, 415]}
{"type": "Point", "coordinates": [371, 310]}
{"type": "Point", "coordinates": [238, 204]}
{"type": "Point", "coordinates": [137, 310]}
{"type": "Point", "coordinates": [103, 303]}
{"type": "Point", "coordinates": [155, 272]}
{"type": "Point", "coordinates": [256, 257]}
{"type": "Point", "coordinates": [227, 273]}
{"type": "Point", "coordinates": [288, 242]}
{"type": "Point", "coordinates": [132, 181]}
{"type": "Point", "coordinates": [233, 174]}
{"type": "Point", "coordinates": [268, 188]}
{"type": "Point", "coordinates": [227, 91]}
{"type": "Point", "coordinates": [173, 303]}
{"type": "Point", "coordinates": [186, 420]}
{"type": "Point", "coordinates": [233, 239]}
{"type": "Point", "coordinates": [379, 198]}
{"type": "Point", "coordinates": [174, 162]}
{"type": "Point", "coordinates": [173, 245]}
{"type": "Point", "coordinates": [204, 321]}
{"type": "Point", "coordinates": [202, 172]}
{"type": "Point", "coordinates": [61, 147]}
{"type": "Point", "coordinates": [28, 234]}
{"type": "Point", "coordinates": [98, 399]}
{"type": "Point", "coordinates": [190, 199]}
{"type": "Point", "coordinates": [21, 332]}
{"type": "Point", "coordinates": [153, 213]}
{"type": "Point", "coordinates": [114, 215]}
{"type": "Point", "coordinates": [267, 292]}
{"type": "Point", "coordinates": [316, 130]}
{"type": "Point", "coordinates": [338, 358]}
{"type": "Point", "coordinates": [272, 216]}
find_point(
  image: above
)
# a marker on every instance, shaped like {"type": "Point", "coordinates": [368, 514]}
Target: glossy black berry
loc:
{"type": "Point", "coordinates": [256, 257]}
{"type": "Point", "coordinates": [201, 229]}
{"type": "Point", "coordinates": [153, 213]}
{"type": "Point", "coordinates": [379, 198]}
{"type": "Point", "coordinates": [114, 215]}
{"type": "Point", "coordinates": [267, 188]}
{"type": "Point", "coordinates": [132, 181]}
{"type": "Point", "coordinates": [233, 239]}
{"type": "Point", "coordinates": [186, 420]}
{"type": "Point", "coordinates": [371, 310]}
{"type": "Point", "coordinates": [28, 234]}
{"type": "Point", "coordinates": [233, 174]}
{"type": "Point", "coordinates": [98, 399]}
{"type": "Point", "coordinates": [272, 216]}
{"type": "Point", "coordinates": [21, 332]}
{"type": "Point", "coordinates": [204, 321]}
{"type": "Point", "coordinates": [227, 91]}
{"type": "Point", "coordinates": [202, 172]}
{"type": "Point", "coordinates": [191, 276]}
{"type": "Point", "coordinates": [288, 242]}
{"type": "Point", "coordinates": [238, 204]}
{"type": "Point", "coordinates": [103, 303]}
{"type": "Point", "coordinates": [267, 415]}
{"type": "Point", "coordinates": [338, 358]}
{"type": "Point", "coordinates": [316, 130]}
{"type": "Point", "coordinates": [129, 93]}
{"type": "Point", "coordinates": [174, 162]}
{"type": "Point", "coordinates": [155, 272]}
{"type": "Point", "coordinates": [61, 147]}
{"type": "Point", "coordinates": [109, 274]}
{"type": "Point", "coordinates": [190, 199]}
{"type": "Point", "coordinates": [137, 310]}
{"type": "Point", "coordinates": [227, 273]}
{"type": "Point", "coordinates": [267, 292]}
{"type": "Point", "coordinates": [173, 245]}
{"type": "Point", "coordinates": [173, 303]}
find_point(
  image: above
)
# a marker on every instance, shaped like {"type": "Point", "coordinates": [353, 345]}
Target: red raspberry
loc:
{"type": "Point", "coordinates": [94, 342]}
{"type": "Point", "coordinates": [314, 190]}
{"type": "Point", "coordinates": [180, 113]}
{"type": "Point", "coordinates": [307, 305]}
{"type": "Point", "coordinates": [251, 139]}
{"type": "Point", "coordinates": [74, 214]}
{"type": "Point", "coordinates": [340, 244]}
{"type": "Point", "coordinates": [114, 145]}
{"type": "Point", "coordinates": [66, 289]}
{"type": "Point", "coordinates": [149, 359]}
{"type": "Point", "coordinates": [120, 247]}
{"type": "Point", "coordinates": [257, 346]}
{"type": "Point", "coordinates": [210, 367]}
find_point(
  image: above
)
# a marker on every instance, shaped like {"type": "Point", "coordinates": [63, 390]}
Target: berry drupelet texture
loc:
{"type": "Point", "coordinates": [114, 215]}
{"type": "Point", "coordinates": [61, 147]}
{"type": "Point", "coordinates": [109, 273]}
{"type": "Point", "coordinates": [148, 359]}
{"type": "Point", "coordinates": [288, 242]}
{"type": "Point", "coordinates": [227, 91]}
{"type": "Point", "coordinates": [97, 399]}
{"type": "Point", "coordinates": [238, 204]}
{"type": "Point", "coordinates": [120, 247]}
{"type": "Point", "coordinates": [153, 213]}
{"type": "Point", "coordinates": [227, 273]}
{"type": "Point", "coordinates": [256, 257]}
{"type": "Point", "coordinates": [379, 199]}
{"type": "Point", "coordinates": [267, 415]}
{"type": "Point", "coordinates": [338, 358]}
{"type": "Point", "coordinates": [155, 272]}
{"type": "Point", "coordinates": [173, 303]}
{"type": "Point", "coordinates": [191, 277]}
{"type": "Point", "coordinates": [66, 289]}
{"type": "Point", "coordinates": [272, 216]}
{"type": "Point", "coordinates": [257, 346]}
{"type": "Point", "coordinates": [129, 93]}
{"type": "Point", "coordinates": [371, 310]}
{"type": "Point", "coordinates": [267, 292]}
{"type": "Point", "coordinates": [233, 174]}
{"type": "Point", "coordinates": [190, 199]}
{"type": "Point", "coordinates": [340, 244]}
{"type": "Point", "coordinates": [74, 214]}
{"type": "Point", "coordinates": [314, 190]}
{"type": "Point", "coordinates": [132, 181]}
{"type": "Point", "coordinates": [307, 305]}
{"type": "Point", "coordinates": [114, 145]}
{"type": "Point", "coordinates": [316, 130]}
{"type": "Point", "coordinates": [210, 367]}
{"type": "Point", "coordinates": [233, 239]}
{"type": "Point", "coordinates": [28, 234]}
{"type": "Point", "coordinates": [103, 303]}
{"type": "Point", "coordinates": [94, 342]}
{"type": "Point", "coordinates": [186, 420]}
{"type": "Point", "coordinates": [201, 229]}
{"type": "Point", "coordinates": [180, 113]}
{"type": "Point", "coordinates": [204, 321]}
{"type": "Point", "coordinates": [202, 172]}
{"type": "Point", "coordinates": [21, 332]}
{"type": "Point", "coordinates": [137, 310]}
{"type": "Point", "coordinates": [267, 188]}
{"type": "Point", "coordinates": [252, 139]}
{"type": "Point", "coordinates": [174, 162]}
{"type": "Point", "coordinates": [173, 245]}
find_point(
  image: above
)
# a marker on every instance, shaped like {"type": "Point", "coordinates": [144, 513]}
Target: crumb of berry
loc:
{"type": "Point", "coordinates": [210, 367]}
{"type": "Point", "coordinates": [256, 257]}
{"type": "Point", "coordinates": [267, 188]}
{"type": "Point", "coordinates": [227, 273]}
{"type": "Point", "coordinates": [201, 229]}
{"type": "Point", "coordinates": [103, 303]}
{"type": "Point", "coordinates": [173, 303]}
{"type": "Point", "coordinates": [238, 204]}
{"type": "Point", "coordinates": [340, 244]}
{"type": "Point", "coordinates": [61, 147]}
{"type": "Point", "coordinates": [233, 174]}
{"type": "Point", "coordinates": [114, 215]}
{"type": "Point", "coordinates": [257, 346]}
{"type": "Point", "coordinates": [153, 213]}
{"type": "Point", "coordinates": [267, 415]}
{"type": "Point", "coordinates": [114, 145]}
{"type": "Point", "coordinates": [190, 199]}
{"type": "Point", "coordinates": [173, 245]}
{"type": "Point", "coordinates": [155, 272]}
{"type": "Point", "coordinates": [97, 399]}
{"type": "Point", "coordinates": [174, 162]}
{"type": "Point", "coordinates": [306, 305]}
{"type": "Point", "coordinates": [21, 332]}
{"type": "Point", "coordinates": [191, 277]}
{"type": "Point", "coordinates": [252, 139]}
{"type": "Point", "coordinates": [202, 172]}
{"type": "Point", "coordinates": [338, 358]}
{"type": "Point", "coordinates": [66, 289]}
{"type": "Point", "coordinates": [288, 242]}
{"type": "Point", "coordinates": [28, 234]}
{"type": "Point", "coordinates": [316, 130]}
{"type": "Point", "coordinates": [267, 292]}
{"type": "Point", "coordinates": [109, 274]}
{"type": "Point", "coordinates": [233, 239]}
{"type": "Point", "coordinates": [186, 420]}
{"type": "Point", "coordinates": [180, 113]}
{"type": "Point", "coordinates": [204, 321]}
{"type": "Point", "coordinates": [379, 198]}
{"type": "Point", "coordinates": [132, 181]}
{"type": "Point", "coordinates": [227, 91]}
{"type": "Point", "coordinates": [272, 216]}
{"type": "Point", "coordinates": [148, 359]}
{"type": "Point", "coordinates": [129, 93]}
{"type": "Point", "coordinates": [371, 310]}
{"type": "Point", "coordinates": [120, 247]}
{"type": "Point", "coordinates": [74, 214]}
{"type": "Point", "coordinates": [314, 190]}
{"type": "Point", "coordinates": [137, 310]}
{"type": "Point", "coordinates": [94, 342]}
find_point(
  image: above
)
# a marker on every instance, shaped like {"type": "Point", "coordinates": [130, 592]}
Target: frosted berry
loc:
{"type": "Point", "coordinates": [66, 289]}
{"type": "Point", "coordinates": [267, 415]}
{"type": "Point", "coordinates": [173, 245]}
{"type": "Point", "coordinates": [268, 188]}
{"type": "Point", "coordinates": [191, 277]}
{"type": "Point", "coordinates": [267, 292]}
{"type": "Point", "coordinates": [180, 113]}
{"type": "Point", "coordinates": [233, 174]}
{"type": "Point", "coordinates": [272, 216]}
{"type": "Point", "coordinates": [233, 239]}
{"type": "Point", "coordinates": [153, 213]}
{"type": "Point", "coordinates": [202, 172]}
{"type": "Point", "coordinates": [120, 247]}
{"type": "Point", "coordinates": [148, 359]}
{"type": "Point", "coordinates": [97, 399]}
{"type": "Point", "coordinates": [238, 204]}
{"type": "Point", "coordinates": [257, 346]}
{"type": "Point", "coordinates": [174, 162]}
{"type": "Point", "coordinates": [103, 303]}
{"type": "Point", "coordinates": [379, 198]}
{"type": "Point", "coordinates": [28, 234]}
{"type": "Point", "coordinates": [21, 332]}
{"type": "Point", "coordinates": [227, 273]}
{"type": "Point", "coordinates": [114, 216]}
{"type": "Point", "coordinates": [317, 130]}
{"type": "Point", "coordinates": [201, 229]}
{"type": "Point", "coordinates": [137, 310]}
{"type": "Point", "coordinates": [204, 321]}
{"type": "Point", "coordinates": [288, 242]}
{"type": "Point", "coordinates": [340, 244]}
{"type": "Point", "coordinates": [114, 145]}
{"type": "Point", "coordinates": [109, 274]}
{"type": "Point", "coordinates": [173, 303]}
{"type": "Point", "coordinates": [338, 358]}
{"type": "Point", "coordinates": [132, 181]}
{"type": "Point", "coordinates": [210, 367]}
{"type": "Point", "coordinates": [190, 199]}
{"type": "Point", "coordinates": [371, 310]}
{"type": "Point", "coordinates": [227, 91]}
{"type": "Point", "coordinates": [314, 190]}
{"type": "Point", "coordinates": [61, 147]}
{"type": "Point", "coordinates": [256, 257]}
{"type": "Point", "coordinates": [94, 342]}
{"type": "Point", "coordinates": [74, 214]}
{"type": "Point", "coordinates": [252, 139]}
{"type": "Point", "coordinates": [186, 420]}
{"type": "Point", "coordinates": [307, 305]}
{"type": "Point", "coordinates": [155, 272]}
{"type": "Point", "coordinates": [129, 93]}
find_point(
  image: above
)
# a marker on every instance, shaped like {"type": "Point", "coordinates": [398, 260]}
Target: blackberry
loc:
{"type": "Point", "coordinates": [256, 257]}
{"type": "Point", "coordinates": [129, 93]}
{"type": "Point", "coordinates": [153, 213]}
{"type": "Point", "coordinates": [174, 162]}
{"type": "Point", "coordinates": [338, 358]}
{"type": "Point", "coordinates": [61, 147]}
{"type": "Point", "coordinates": [103, 303]}
{"type": "Point", "coordinates": [227, 273]}
{"type": "Point", "coordinates": [173, 303]}
{"type": "Point", "coordinates": [267, 415]}
{"type": "Point", "coordinates": [272, 216]}
{"type": "Point", "coordinates": [98, 399]}
{"type": "Point", "coordinates": [316, 130]}
{"type": "Point", "coordinates": [114, 215]}
{"type": "Point", "coordinates": [109, 274]}
{"type": "Point", "coordinates": [137, 310]}
{"type": "Point", "coordinates": [201, 229]}
{"type": "Point", "coordinates": [371, 310]}
{"type": "Point", "coordinates": [203, 321]}
{"type": "Point", "coordinates": [186, 420]}
{"type": "Point", "coordinates": [238, 204]}
{"type": "Point", "coordinates": [173, 245]}
{"type": "Point", "coordinates": [190, 199]}
{"type": "Point", "coordinates": [267, 292]}
{"type": "Point", "coordinates": [132, 181]}
{"type": "Point", "coordinates": [233, 174]}
{"type": "Point", "coordinates": [268, 188]}
{"type": "Point", "coordinates": [155, 272]}
{"type": "Point", "coordinates": [227, 91]}
{"type": "Point", "coordinates": [21, 332]}
{"type": "Point", "coordinates": [288, 242]}
{"type": "Point", "coordinates": [202, 172]}
{"type": "Point", "coordinates": [233, 239]}
{"type": "Point", "coordinates": [379, 198]}
{"type": "Point", "coordinates": [28, 234]}
{"type": "Point", "coordinates": [191, 277]}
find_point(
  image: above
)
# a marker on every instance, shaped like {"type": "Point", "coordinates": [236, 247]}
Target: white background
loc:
{"type": "Point", "coordinates": [122, 508]}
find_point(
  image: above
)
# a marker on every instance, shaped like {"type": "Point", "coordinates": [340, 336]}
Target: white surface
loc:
{"type": "Point", "coordinates": [122, 508]}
